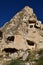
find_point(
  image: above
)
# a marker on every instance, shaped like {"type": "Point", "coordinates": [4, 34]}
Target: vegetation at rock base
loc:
{"type": "Point", "coordinates": [40, 60]}
{"type": "Point", "coordinates": [16, 62]}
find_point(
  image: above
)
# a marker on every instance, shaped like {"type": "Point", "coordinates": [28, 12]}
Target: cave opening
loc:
{"type": "Point", "coordinates": [9, 50]}
{"type": "Point", "coordinates": [30, 22]}
{"type": "Point", "coordinates": [31, 26]}
{"type": "Point", "coordinates": [10, 38]}
{"type": "Point", "coordinates": [36, 27]}
{"type": "Point", "coordinates": [31, 43]}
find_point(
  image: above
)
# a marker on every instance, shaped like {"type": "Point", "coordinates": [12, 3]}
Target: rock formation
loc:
{"type": "Point", "coordinates": [23, 32]}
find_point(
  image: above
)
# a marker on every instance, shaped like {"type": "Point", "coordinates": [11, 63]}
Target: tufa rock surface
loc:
{"type": "Point", "coordinates": [23, 32]}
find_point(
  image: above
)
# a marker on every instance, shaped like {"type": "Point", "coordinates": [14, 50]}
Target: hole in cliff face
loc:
{"type": "Point", "coordinates": [10, 38]}
{"type": "Point", "coordinates": [36, 27]}
{"type": "Point", "coordinates": [31, 26]}
{"type": "Point", "coordinates": [30, 22]}
{"type": "Point", "coordinates": [9, 50]}
{"type": "Point", "coordinates": [31, 43]}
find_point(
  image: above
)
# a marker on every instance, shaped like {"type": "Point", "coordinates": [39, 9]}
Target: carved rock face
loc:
{"type": "Point", "coordinates": [23, 26]}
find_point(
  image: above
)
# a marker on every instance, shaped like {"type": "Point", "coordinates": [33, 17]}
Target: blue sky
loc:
{"type": "Point", "coordinates": [8, 8]}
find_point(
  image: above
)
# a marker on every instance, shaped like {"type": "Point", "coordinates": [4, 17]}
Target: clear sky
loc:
{"type": "Point", "coordinates": [8, 8]}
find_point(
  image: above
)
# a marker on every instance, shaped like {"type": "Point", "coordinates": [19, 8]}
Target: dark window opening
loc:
{"type": "Point", "coordinates": [36, 26]}
{"type": "Point", "coordinates": [9, 50]}
{"type": "Point", "coordinates": [31, 22]}
{"type": "Point", "coordinates": [1, 34]}
{"type": "Point", "coordinates": [31, 43]}
{"type": "Point", "coordinates": [31, 26]}
{"type": "Point", "coordinates": [10, 38]}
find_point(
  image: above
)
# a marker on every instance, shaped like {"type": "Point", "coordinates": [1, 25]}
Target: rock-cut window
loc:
{"type": "Point", "coordinates": [31, 43]}
{"type": "Point", "coordinates": [10, 38]}
{"type": "Point", "coordinates": [31, 26]}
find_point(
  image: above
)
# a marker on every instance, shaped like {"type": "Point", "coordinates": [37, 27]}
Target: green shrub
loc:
{"type": "Point", "coordinates": [40, 61]}
{"type": "Point", "coordinates": [40, 51]}
{"type": "Point", "coordinates": [16, 62]}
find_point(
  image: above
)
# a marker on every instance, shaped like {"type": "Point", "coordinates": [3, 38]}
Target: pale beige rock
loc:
{"type": "Point", "coordinates": [23, 26]}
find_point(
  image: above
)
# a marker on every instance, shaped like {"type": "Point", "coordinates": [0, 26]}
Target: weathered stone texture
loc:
{"type": "Point", "coordinates": [22, 27]}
